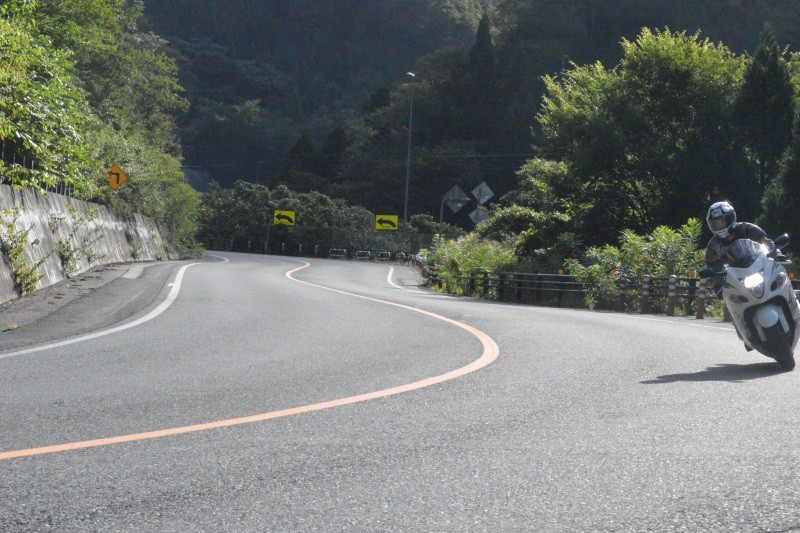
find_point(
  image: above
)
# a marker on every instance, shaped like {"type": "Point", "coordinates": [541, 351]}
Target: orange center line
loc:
{"type": "Point", "coordinates": [489, 355]}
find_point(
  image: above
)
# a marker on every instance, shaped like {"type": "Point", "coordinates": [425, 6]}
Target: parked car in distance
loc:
{"type": "Point", "coordinates": [418, 259]}
{"type": "Point", "coordinates": [401, 256]}
{"type": "Point", "coordinates": [384, 256]}
{"type": "Point", "coordinates": [363, 255]}
{"type": "Point", "coordinates": [337, 253]}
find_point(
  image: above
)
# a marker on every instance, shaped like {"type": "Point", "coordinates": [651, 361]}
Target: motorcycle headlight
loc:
{"type": "Point", "coordinates": [779, 280]}
{"type": "Point", "coordinates": [754, 283]}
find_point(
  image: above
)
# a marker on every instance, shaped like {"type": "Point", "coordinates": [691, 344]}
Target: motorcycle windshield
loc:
{"type": "Point", "coordinates": [743, 252]}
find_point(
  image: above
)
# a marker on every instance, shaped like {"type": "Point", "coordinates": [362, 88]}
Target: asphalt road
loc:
{"type": "Point", "coordinates": [586, 421]}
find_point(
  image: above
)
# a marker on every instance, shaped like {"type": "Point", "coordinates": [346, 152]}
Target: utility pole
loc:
{"type": "Point", "coordinates": [408, 156]}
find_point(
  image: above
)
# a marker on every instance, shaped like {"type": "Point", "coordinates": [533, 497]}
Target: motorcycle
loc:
{"type": "Point", "coordinates": [760, 299]}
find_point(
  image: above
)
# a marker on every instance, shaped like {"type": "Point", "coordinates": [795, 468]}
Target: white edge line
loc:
{"type": "Point", "coordinates": [654, 319]}
{"type": "Point", "coordinates": [163, 306]}
{"type": "Point", "coordinates": [393, 284]}
{"type": "Point", "coordinates": [389, 279]}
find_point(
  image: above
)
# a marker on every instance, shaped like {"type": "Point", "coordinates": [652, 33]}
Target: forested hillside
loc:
{"type": "Point", "coordinates": [314, 95]}
{"type": "Point", "coordinates": [260, 72]}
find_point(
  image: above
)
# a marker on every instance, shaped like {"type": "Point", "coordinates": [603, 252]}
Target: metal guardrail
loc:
{"type": "Point", "coordinates": [521, 287]}
{"type": "Point", "coordinates": [648, 294]}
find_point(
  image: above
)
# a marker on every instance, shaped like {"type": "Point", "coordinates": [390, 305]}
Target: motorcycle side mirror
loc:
{"type": "Point", "coordinates": [781, 241]}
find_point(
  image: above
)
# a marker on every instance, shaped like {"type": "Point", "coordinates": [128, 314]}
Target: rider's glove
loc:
{"type": "Point", "coordinates": [778, 256]}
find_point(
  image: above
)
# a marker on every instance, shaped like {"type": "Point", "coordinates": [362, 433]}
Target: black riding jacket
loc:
{"type": "Point", "coordinates": [715, 250]}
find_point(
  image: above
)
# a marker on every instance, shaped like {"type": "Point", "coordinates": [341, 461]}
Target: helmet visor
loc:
{"type": "Point", "coordinates": [719, 223]}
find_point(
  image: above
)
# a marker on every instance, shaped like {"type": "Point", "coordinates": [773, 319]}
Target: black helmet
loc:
{"type": "Point", "coordinates": [721, 218]}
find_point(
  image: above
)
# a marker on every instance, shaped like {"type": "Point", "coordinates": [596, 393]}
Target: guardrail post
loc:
{"type": "Point", "coordinates": [559, 289]}
{"type": "Point", "coordinates": [518, 284]}
{"type": "Point", "coordinates": [673, 281]}
{"type": "Point", "coordinates": [701, 300]}
{"type": "Point", "coordinates": [471, 283]}
{"type": "Point", "coordinates": [501, 286]}
{"type": "Point", "coordinates": [645, 303]}
{"type": "Point", "coordinates": [691, 292]}
{"type": "Point", "coordinates": [621, 298]}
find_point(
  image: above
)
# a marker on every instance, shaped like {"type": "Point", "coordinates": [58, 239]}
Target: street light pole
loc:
{"type": "Point", "coordinates": [408, 157]}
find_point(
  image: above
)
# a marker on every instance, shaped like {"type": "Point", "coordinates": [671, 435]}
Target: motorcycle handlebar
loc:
{"type": "Point", "coordinates": [709, 272]}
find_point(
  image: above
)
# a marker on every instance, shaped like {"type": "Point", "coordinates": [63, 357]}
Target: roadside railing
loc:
{"type": "Point", "coordinates": [520, 287]}
{"type": "Point", "coordinates": [673, 295]}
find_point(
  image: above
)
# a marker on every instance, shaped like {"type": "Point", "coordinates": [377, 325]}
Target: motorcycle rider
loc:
{"type": "Point", "coordinates": [721, 220]}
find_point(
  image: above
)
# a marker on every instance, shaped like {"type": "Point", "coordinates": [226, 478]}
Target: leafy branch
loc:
{"type": "Point", "coordinates": [14, 241]}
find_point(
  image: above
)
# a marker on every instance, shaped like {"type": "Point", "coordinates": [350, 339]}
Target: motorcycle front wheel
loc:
{"type": "Point", "coordinates": [782, 349]}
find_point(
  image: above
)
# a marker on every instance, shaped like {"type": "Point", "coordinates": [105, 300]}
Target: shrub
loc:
{"type": "Point", "coordinates": [663, 252]}
{"type": "Point", "coordinates": [468, 255]}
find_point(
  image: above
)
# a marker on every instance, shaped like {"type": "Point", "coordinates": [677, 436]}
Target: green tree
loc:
{"type": "Point", "coordinates": [425, 224]}
{"type": "Point", "coordinates": [782, 197]}
{"type": "Point", "coordinates": [220, 210]}
{"type": "Point", "coordinates": [482, 69]}
{"type": "Point", "coordinates": [333, 151]}
{"type": "Point", "coordinates": [130, 80]}
{"type": "Point", "coordinates": [43, 115]}
{"type": "Point", "coordinates": [314, 64]}
{"type": "Point", "coordinates": [156, 189]}
{"type": "Point", "coordinates": [303, 156]}
{"type": "Point", "coordinates": [650, 141]}
{"type": "Point", "coordinates": [245, 213]}
{"type": "Point", "coordinates": [100, 91]}
{"type": "Point", "coordinates": [19, 12]}
{"type": "Point", "coordinates": [534, 218]}
{"type": "Point", "coordinates": [765, 107]}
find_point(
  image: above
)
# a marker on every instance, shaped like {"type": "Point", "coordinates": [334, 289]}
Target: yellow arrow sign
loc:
{"type": "Point", "coordinates": [386, 222]}
{"type": "Point", "coordinates": [116, 177]}
{"type": "Point", "coordinates": [283, 218]}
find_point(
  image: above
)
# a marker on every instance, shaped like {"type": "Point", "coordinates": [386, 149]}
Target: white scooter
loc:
{"type": "Point", "coordinates": [759, 296]}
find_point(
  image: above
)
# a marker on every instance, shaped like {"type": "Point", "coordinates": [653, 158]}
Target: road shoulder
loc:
{"type": "Point", "coordinates": [96, 299]}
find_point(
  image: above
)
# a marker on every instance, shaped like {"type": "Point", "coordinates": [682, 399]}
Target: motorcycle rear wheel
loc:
{"type": "Point", "coordinates": [776, 339]}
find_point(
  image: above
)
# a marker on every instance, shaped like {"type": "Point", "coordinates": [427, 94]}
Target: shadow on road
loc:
{"type": "Point", "coordinates": [722, 372]}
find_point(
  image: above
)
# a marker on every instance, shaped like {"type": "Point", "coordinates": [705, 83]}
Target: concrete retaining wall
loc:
{"type": "Point", "coordinates": [92, 234]}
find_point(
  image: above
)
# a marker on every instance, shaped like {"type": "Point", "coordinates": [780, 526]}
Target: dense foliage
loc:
{"type": "Point", "coordinates": [43, 115]}
{"type": "Point", "coordinates": [82, 88]}
{"type": "Point", "coordinates": [328, 109]}
{"type": "Point", "coordinates": [651, 141]}
{"type": "Point", "coordinates": [260, 72]}
{"type": "Point", "coordinates": [242, 218]}
{"type": "Point", "coordinates": [466, 256]}
{"type": "Point", "coordinates": [627, 153]}
{"type": "Point", "coordinates": [661, 253]}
